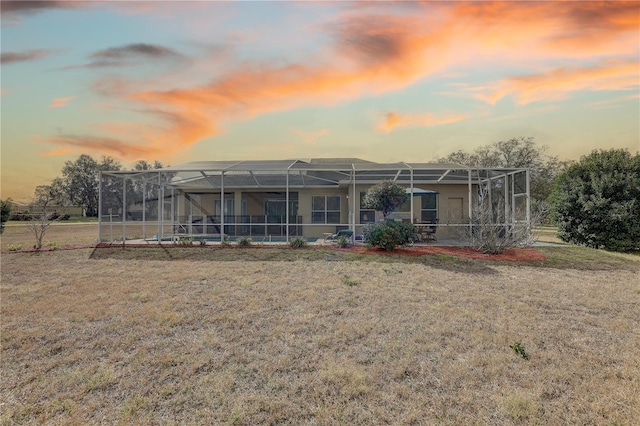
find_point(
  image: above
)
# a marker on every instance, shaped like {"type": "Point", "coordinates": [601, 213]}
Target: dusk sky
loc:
{"type": "Point", "coordinates": [392, 81]}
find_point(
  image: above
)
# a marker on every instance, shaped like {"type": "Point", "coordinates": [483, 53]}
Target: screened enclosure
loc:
{"type": "Point", "coordinates": [278, 200]}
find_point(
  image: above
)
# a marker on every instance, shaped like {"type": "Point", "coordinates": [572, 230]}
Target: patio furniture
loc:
{"type": "Point", "coordinates": [428, 232]}
{"type": "Point", "coordinates": [347, 233]}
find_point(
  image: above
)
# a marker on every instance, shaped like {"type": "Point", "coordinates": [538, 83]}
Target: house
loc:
{"type": "Point", "coordinates": [23, 211]}
{"type": "Point", "coordinates": [280, 199]}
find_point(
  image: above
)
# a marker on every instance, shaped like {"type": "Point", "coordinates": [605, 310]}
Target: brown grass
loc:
{"type": "Point", "coordinates": [98, 336]}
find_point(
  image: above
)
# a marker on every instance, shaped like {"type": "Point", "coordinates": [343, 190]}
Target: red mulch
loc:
{"type": "Point", "coordinates": [510, 255]}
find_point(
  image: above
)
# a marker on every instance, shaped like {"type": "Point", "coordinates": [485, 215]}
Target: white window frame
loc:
{"type": "Point", "coordinates": [325, 211]}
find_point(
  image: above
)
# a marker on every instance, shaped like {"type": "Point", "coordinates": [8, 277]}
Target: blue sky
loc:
{"type": "Point", "coordinates": [180, 81]}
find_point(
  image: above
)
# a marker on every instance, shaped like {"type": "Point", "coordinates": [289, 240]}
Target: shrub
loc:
{"type": "Point", "coordinates": [5, 212]}
{"type": "Point", "coordinates": [52, 245]}
{"type": "Point", "coordinates": [342, 241]}
{"type": "Point", "coordinates": [15, 247]}
{"type": "Point", "coordinates": [298, 242]}
{"type": "Point", "coordinates": [244, 241]}
{"type": "Point", "coordinates": [185, 241]}
{"type": "Point", "coordinates": [493, 232]}
{"type": "Point", "coordinates": [390, 234]}
{"type": "Point", "coordinates": [597, 201]}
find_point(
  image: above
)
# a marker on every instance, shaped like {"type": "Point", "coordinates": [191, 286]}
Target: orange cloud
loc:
{"type": "Point", "coordinates": [56, 152]}
{"type": "Point", "coordinates": [120, 148]}
{"type": "Point", "coordinates": [380, 49]}
{"type": "Point", "coordinates": [60, 102]}
{"type": "Point", "coordinates": [542, 29]}
{"type": "Point", "coordinates": [555, 84]}
{"type": "Point", "coordinates": [393, 120]}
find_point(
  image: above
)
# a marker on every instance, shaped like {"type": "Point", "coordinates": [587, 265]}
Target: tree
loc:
{"type": "Point", "coordinates": [5, 213]}
{"type": "Point", "coordinates": [142, 165]}
{"type": "Point", "coordinates": [81, 180]}
{"type": "Point", "coordinates": [512, 153]}
{"type": "Point", "coordinates": [385, 197]}
{"type": "Point", "coordinates": [39, 215]}
{"type": "Point", "coordinates": [597, 201]}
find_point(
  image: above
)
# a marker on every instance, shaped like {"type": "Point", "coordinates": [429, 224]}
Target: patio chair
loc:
{"type": "Point", "coordinates": [347, 233]}
{"type": "Point", "coordinates": [428, 233]}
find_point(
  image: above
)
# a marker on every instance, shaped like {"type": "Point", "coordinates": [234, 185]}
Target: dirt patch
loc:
{"type": "Point", "coordinates": [511, 255]}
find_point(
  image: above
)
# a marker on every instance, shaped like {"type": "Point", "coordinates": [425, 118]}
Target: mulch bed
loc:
{"type": "Point", "coordinates": [510, 255]}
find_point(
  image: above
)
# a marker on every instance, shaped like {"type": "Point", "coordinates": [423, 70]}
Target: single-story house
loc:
{"type": "Point", "coordinates": [281, 199]}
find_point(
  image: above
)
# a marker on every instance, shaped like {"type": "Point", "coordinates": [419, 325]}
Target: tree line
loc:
{"type": "Point", "coordinates": [80, 180]}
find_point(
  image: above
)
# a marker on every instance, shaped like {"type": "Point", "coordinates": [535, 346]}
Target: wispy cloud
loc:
{"type": "Point", "coordinates": [56, 152]}
{"type": "Point", "coordinates": [130, 54]}
{"type": "Point", "coordinates": [12, 11]}
{"type": "Point", "coordinates": [393, 120]}
{"type": "Point", "coordinates": [310, 137]}
{"type": "Point", "coordinates": [613, 102]}
{"type": "Point", "coordinates": [29, 55]}
{"type": "Point", "coordinates": [60, 102]}
{"type": "Point", "coordinates": [557, 83]}
{"type": "Point", "coordinates": [101, 144]}
{"type": "Point", "coordinates": [34, 6]}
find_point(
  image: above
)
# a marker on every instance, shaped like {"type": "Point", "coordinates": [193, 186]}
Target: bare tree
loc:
{"type": "Point", "coordinates": [494, 229]}
{"type": "Point", "coordinates": [39, 211]}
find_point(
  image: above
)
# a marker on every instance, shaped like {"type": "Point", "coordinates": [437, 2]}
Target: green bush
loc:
{"type": "Point", "coordinates": [597, 201]}
{"type": "Point", "coordinates": [298, 242]}
{"type": "Point", "coordinates": [390, 234]}
{"type": "Point", "coordinates": [244, 241]}
{"type": "Point", "coordinates": [5, 212]}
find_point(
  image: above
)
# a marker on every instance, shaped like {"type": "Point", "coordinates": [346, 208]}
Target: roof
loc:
{"type": "Point", "coordinates": [315, 172]}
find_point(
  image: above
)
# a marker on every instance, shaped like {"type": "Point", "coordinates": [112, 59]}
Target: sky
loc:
{"type": "Point", "coordinates": [180, 81]}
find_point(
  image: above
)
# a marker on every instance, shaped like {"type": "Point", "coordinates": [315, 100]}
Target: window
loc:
{"type": "Point", "coordinates": [325, 209]}
{"type": "Point", "coordinates": [366, 215]}
{"type": "Point", "coordinates": [276, 210]}
{"type": "Point", "coordinates": [229, 204]}
{"type": "Point", "coordinates": [429, 208]}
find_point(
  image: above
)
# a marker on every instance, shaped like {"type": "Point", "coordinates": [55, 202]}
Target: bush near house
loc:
{"type": "Point", "coordinates": [390, 234]}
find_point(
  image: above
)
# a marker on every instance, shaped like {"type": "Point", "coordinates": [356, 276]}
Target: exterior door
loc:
{"type": "Point", "coordinates": [455, 210]}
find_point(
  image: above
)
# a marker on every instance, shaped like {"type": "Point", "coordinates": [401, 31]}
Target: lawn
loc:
{"type": "Point", "coordinates": [273, 336]}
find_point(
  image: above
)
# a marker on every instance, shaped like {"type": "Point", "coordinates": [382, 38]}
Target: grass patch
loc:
{"type": "Point", "coordinates": [272, 335]}
{"type": "Point", "coordinates": [281, 337]}
{"type": "Point", "coordinates": [583, 258]}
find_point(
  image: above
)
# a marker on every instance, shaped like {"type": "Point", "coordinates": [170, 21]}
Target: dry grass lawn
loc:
{"type": "Point", "coordinates": [107, 337]}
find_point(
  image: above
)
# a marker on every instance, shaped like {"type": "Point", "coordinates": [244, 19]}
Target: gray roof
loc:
{"type": "Point", "coordinates": [316, 172]}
